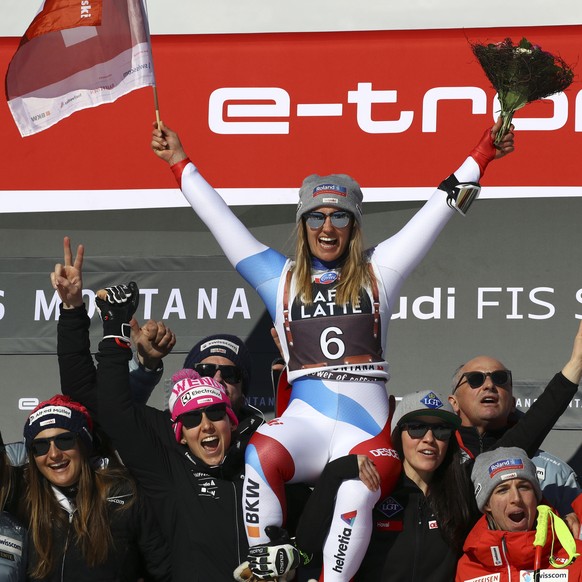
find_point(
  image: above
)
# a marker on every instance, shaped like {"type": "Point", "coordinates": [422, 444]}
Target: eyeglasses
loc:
{"type": "Point", "coordinates": [417, 430]}
{"type": "Point", "coordinates": [214, 413]}
{"type": "Point", "coordinates": [230, 374]}
{"type": "Point", "coordinates": [64, 442]}
{"type": "Point", "coordinates": [339, 219]}
{"type": "Point", "coordinates": [500, 378]}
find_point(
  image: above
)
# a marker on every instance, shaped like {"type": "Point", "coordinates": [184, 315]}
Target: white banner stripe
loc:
{"type": "Point", "coordinates": [87, 200]}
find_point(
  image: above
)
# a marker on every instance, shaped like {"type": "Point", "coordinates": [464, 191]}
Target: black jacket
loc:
{"type": "Point", "coordinates": [406, 544]}
{"type": "Point", "coordinates": [135, 535]}
{"type": "Point", "coordinates": [526, 431]}
{"type": "Point", "coordinates": [198, 508]}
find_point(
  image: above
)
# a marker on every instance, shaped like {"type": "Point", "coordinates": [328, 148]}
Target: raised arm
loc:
{"type": "Point", "coordinates": [531, 429]}
{"type": "Point", "coordinates": [152, 342]}
{"type": "Point", "coordinates": [257, 263]}
{"type": "Point", "coordinates": [232, 236]}
{"type": "Point", "coordinates": [76, 366]}
{"type": "Point", "coordinates": [397, 256]}
{"type": "Point", "coordinates": [142, 435]}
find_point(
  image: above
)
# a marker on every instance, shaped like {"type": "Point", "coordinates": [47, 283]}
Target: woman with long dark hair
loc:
{"type": "Point", "coordinates": [85, 519]}
{"type": "Point", "coordinates": [420, 528]}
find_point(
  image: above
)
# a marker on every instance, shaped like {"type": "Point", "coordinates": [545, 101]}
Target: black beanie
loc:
{"type": "Point", "coordinates": [227, 346]}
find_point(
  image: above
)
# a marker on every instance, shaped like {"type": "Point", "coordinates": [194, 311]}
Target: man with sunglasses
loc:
{"type": "Point", "coordinates": [482, 395]}
{"type": "Point", "coordinates": [226, 358]}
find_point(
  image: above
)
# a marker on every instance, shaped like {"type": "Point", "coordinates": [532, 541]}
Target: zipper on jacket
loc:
{"type": "Point", "coordinates": [507, 564]}
{"type": "Point", "coordinates": [236, 504]}
{"type": "Point", "coordinates": [65, 548]}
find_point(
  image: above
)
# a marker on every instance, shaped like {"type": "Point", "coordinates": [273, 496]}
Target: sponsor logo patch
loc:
{"type": "Point", "coordinates": [504, 465]}
{"type": "Point", "coordinates": [52, 410]}
{"type": "Point", "coordinates": [390, 507]}
{"type": "Point", "coordinates": [327, 278]}
{"type": "Point", "coordinates": [342, 548]}
{"type": "Point", "coordinates": [488, 578]}
{"type": "Point", "coordinates": [219, 342]}
{"type": "Point", "coordinates": [549, 574]}
{"type": "Point", "coordinates": [496, 555]}
{"type": "Point", "coordinates": [431, 400]}
{"type": "Point", "coordinates": [330, 189]}
{"type": "Point", "coordinates": [389, 525]}
{"type": "Point", "coordinates": [10, 545]}
{"type": "Point", "coordinates": [349, 517]}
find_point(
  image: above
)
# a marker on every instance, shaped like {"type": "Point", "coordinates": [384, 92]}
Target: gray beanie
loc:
{"type": "Point", "coordinates": [499, 465]}
{"type": "Point", "coordinates": [424, 403]}
{"type": "Point", "coordinates": [336, 190]}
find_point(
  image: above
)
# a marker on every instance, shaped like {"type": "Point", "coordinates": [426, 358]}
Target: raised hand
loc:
{"type": "Point", "coordinates": [166, 144]}
{"type": "Point", "coordinates": [116, 306]}
{"type": "Point", "coordinates": [153, 341]}
{"type": "Point", "coordinates": [67, 278]}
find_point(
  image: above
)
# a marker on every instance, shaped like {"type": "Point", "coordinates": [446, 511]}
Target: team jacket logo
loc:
{"type": "Point", "coordinates": [207, 487]}
{"type": "Point", "coordinates": [390, 507]}
{"type": "Point", "coordinates": [489, 578]}
{"type": "Point", "coordinates": [547, 575]}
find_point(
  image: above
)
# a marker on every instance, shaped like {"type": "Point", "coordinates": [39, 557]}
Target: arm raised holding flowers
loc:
{"type": "Point", "coordinates": [521, 74]}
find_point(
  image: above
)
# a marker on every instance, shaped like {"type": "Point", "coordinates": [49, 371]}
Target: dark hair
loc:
{"type": "Point", "coordinates": [450, 494]}
{"type": "Point", "coordinates": [451, 497]}
{"type": "Point", "coordinates": [91, 521]}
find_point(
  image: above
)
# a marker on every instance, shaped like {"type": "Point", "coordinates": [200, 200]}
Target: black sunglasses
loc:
{"type": "Point", "coordinates": [477, 379]}
{"type": "Point", "coordinates": [230, 374]}
{"type": "Point", "coordinates": [417, 430]}
{"type": "Point", "coordinates": [339, 219]}
{"type": "Point", "coordinates": [214, 413]}
{"type": "Point", "coordinates": [64, 442]}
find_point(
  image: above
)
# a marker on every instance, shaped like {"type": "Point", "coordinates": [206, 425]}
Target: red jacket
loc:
{"type": "Point", "coordinates": [502, 556]}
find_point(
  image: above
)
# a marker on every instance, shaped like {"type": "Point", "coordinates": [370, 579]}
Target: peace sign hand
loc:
{"type": "Point", "coordinates": [67, 279]}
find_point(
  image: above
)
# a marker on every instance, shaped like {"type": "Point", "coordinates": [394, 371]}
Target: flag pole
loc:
{"type": "Point", "coordinates": [154, 86]}
{"type": "Point", "coordinates": [156, 105]}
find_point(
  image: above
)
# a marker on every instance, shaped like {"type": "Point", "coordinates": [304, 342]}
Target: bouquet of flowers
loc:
{"type": "Point", "coordinates": [521, 74]}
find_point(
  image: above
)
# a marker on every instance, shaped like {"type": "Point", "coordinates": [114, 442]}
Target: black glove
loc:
{"type": "Point", "coordinates": [116, 306]}
{"type": "Point", "coordinates": [275, 559]}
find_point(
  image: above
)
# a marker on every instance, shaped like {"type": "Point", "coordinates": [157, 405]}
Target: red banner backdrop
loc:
{"type": "Point", "coordinates": [393, 109]}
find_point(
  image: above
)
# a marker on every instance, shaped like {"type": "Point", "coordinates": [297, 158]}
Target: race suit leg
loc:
{"type": "Point", "coordinates": [325, 420]}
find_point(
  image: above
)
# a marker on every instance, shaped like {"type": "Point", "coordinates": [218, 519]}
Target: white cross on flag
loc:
{"type": "Point", "coordinates": [77, 54]}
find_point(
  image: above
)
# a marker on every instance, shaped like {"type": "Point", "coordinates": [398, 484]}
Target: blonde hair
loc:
{"type": "Point", "coordinates": [355, 275]}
